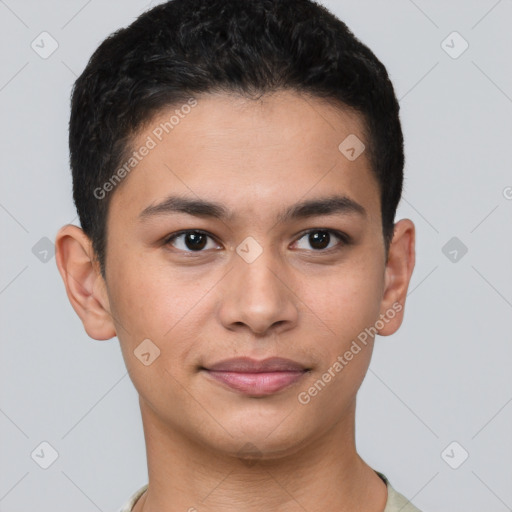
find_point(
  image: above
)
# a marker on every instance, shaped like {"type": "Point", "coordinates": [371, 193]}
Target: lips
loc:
{"type": "Point", "coordinates": [248, 365]}
{"type": "Point", "coordinates": [256, 378]}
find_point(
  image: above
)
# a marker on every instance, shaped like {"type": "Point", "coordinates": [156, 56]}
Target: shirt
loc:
{"type": "Point", "coordinates": [395, 502]}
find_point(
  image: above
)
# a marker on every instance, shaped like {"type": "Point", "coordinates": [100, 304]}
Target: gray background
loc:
{"type": "Point", "coordinates": [444, 377]}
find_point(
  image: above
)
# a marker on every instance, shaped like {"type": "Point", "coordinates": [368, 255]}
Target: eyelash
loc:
{"type": "Point", "coordinates": [344, 239]}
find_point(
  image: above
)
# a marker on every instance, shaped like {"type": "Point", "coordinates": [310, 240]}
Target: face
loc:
{"type": "Point", "coordinates": [275, 250]}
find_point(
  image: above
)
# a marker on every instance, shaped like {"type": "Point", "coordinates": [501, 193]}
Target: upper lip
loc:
{"type": "Point", "coordinates": [248, 365]}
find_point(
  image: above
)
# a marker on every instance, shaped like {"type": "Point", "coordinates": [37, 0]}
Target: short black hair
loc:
{"type": "Point", "coordinates": [184, 48]}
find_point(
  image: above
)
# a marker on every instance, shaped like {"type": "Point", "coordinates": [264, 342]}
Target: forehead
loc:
{"type": "Point", "coordinates": [251, 155]}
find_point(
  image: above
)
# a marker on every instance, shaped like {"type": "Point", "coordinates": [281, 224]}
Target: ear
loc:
{"type": "Point", "coordinates": [399, 267]}
{"type": "Point", "coordinates": [84, 284]}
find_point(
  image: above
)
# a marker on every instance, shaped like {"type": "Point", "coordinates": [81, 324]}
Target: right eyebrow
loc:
{"type": "Point", "coordinates": [196, 207]}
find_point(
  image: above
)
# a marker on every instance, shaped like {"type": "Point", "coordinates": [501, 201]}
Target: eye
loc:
{"type": "Point", "coordinates": [189, 241]}
{"type": "Point", "coordinates": [321, 239]}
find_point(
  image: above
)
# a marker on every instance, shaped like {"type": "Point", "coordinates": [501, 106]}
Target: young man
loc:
{"type": "Point", "coordinates": [237, 165]}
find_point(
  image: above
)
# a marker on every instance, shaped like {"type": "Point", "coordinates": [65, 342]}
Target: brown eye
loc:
{"type": "Point", "coordinates": [322, 239]}
{"type": "Point", "coordinates": [189, 241]}
{"type": "Point", "coordinates": [319, 239]}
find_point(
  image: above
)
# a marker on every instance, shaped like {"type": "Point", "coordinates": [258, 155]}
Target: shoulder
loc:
{"type": "Point", "coordinates": [128, 506]}
{"type": "Point", "coordinates": [396, 502]}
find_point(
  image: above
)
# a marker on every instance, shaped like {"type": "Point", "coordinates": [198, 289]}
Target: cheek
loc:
{"type": "Point", "coordinates": [348, 301]}
{"type": "Point", "coordinates": [149, 303]}
{"type": "Point", "coordinates": [145, 297]}
{"type": "Point", "coordinates": [153, 302]}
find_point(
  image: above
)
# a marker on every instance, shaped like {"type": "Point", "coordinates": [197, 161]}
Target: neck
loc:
{"type": "Point", "coordinates": [325, 474]}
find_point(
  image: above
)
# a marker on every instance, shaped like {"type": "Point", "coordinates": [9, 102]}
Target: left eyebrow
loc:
{"type": "Point", "coordinates": [331, 205]}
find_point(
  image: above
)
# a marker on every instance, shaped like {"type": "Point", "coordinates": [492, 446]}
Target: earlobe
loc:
{"type": "Point", "coordinates": [399, 268]}
{"type": "Point", "coordinates": [84, 284]}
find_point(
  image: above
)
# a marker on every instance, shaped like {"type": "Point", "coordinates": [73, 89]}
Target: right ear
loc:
{"type": "Point", "coordinates": [84, 283]}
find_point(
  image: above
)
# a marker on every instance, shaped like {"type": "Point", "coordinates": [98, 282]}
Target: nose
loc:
{"type": "Point", "coordinates": [258, 296]}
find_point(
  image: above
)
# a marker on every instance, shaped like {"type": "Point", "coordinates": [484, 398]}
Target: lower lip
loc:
{"type": "Point", "coordinates": [260, 384]}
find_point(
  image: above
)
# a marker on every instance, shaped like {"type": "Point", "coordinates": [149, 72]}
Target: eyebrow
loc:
{"type": "Point", "coordinates": [332, 205]}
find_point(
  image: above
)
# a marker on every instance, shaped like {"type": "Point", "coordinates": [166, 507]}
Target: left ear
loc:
{"type": "Point", "coordinates": [399, 267]}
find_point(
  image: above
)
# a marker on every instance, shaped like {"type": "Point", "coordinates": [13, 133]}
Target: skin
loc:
{"type": "Point", "coordinates": [295, 300]}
